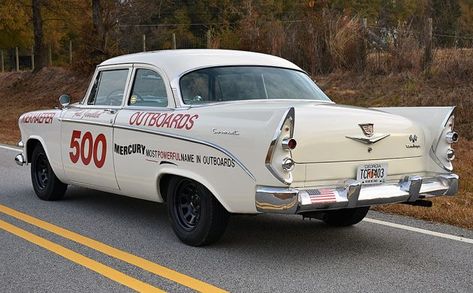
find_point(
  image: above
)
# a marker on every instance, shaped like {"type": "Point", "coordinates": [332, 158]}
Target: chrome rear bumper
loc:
{"type": "Point", "coordinates": [352, 194]}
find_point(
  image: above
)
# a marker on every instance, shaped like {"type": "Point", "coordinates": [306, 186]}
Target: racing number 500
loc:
{"type": "Point", "coordinates": [87, 149]}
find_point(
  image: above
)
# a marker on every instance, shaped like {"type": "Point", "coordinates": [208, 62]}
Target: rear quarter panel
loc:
{"type": "Point", "coordinates": [224, 148]}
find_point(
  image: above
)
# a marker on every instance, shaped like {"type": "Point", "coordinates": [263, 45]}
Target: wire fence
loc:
{"type": "Point", "coordinates": [382, 45]}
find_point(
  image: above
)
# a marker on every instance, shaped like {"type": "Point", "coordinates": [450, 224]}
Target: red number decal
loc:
{"type": "Point", "coordinates": [86, 144]}
{"type": "Point", "coordinates": [100, 139]}
{"type": "Point", "coordinates": [75, 145]}
{"type": "Point", "coordinates": [88, 149]}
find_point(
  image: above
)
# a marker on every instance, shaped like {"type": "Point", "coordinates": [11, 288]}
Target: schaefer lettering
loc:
{"type": "Point", "coordinates": [163, 120]}
{"type": "Point", "coordinates": [45, 118]}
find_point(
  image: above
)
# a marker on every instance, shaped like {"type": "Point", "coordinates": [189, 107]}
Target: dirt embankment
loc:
{"type": "Point", "coordinates": [22, 92]}
{"type": "Point", "coordinates": [408, 89]}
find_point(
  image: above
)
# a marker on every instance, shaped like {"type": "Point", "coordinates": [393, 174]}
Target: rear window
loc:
{"type": "Point", "coordinates": [233, 83]}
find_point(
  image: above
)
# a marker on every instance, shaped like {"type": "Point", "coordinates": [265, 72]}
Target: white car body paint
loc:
{"type": "Point", "coordinates": [224, 145]}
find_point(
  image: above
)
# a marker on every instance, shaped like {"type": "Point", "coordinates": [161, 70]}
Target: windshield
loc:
{"type": "Point", "coordinates": [233, 83]}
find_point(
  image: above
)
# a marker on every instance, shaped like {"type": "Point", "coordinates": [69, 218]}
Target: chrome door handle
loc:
{"type": "Point", "coordinates": [111, 111]}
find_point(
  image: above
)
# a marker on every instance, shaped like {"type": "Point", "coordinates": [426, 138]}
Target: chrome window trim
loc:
{"type": "Point", "coordinates": [170, 95]}
{"type": "Point", "coordinates": [83, 103]}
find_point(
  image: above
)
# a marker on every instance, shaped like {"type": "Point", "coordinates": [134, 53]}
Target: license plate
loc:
{"type": "Point", "coordinates": [372, 173]}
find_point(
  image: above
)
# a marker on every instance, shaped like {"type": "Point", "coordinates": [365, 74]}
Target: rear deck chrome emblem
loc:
{"type": "Point", "coordinates": [368, 131]}
{"type": "Point", "coordinates": [367, 128]}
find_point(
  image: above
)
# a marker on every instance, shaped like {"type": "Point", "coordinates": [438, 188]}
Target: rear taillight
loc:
{"type": "Point", "coordinates": [451, 154]}
{"type": "Point", "coordinates": [289, 144]}
{"type": "Point", "coordinates": [442, 151]}
{"type": "Point", "coordinates": [288, 164]}
{"type": "Point", "coordinates": [452, 137]}
{"type": "Point", "coordinates": [279, 158]}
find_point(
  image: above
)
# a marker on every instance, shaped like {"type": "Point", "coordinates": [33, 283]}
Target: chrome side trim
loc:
{"type": "Point", "coordinates": [85, 122]}
{"type": "Point", "coordinates": [193, 140]}
{"type": "Point", "coordinates": [206, 143]}
{"type": "Point", "coordinates": [290, 113]}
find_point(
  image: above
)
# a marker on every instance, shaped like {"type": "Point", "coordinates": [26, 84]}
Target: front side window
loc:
{"type": "Point", "coordinates": [108, 88]}
{"type": "Point", "coordinates": [148, 90]}
{"type": "Point", "coordinates": [235, 83]}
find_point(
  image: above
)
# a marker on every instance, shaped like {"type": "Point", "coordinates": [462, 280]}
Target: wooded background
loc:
{"type": "Point", "coordinates": [321, 36]}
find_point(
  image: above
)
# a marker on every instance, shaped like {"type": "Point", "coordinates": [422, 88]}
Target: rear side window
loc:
{"type": "Point", "coordinates": [148, 90]}
{"type": "Point", "coordinates": [108, 88]}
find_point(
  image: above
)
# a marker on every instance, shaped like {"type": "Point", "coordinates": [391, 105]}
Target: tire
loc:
{"type": "Point", "coordinates": [197, 218]}
{"type": "Point", "coordinates": [45, 183]}
{"type": "Point", "coordinates": [345, 217]}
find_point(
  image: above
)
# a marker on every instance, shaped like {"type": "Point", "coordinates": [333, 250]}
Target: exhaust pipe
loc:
{"type": "Point", "coordinates": [420, 203]}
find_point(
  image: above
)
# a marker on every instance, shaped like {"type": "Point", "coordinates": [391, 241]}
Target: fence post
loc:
{"type": "Point", "coordinates": [32, 58]}
{"type": "Point", "coordinates": [144, 43]}
{"type": "Point", "coordinates": [209, 39]}
{"type": "Point", "coordinates": [50, 55]}
{"type": "Point", "coordinates": [174, 41]}
{"type": "Point", "coordinates": [2, 61]}
{"type": "Point", "coordinates": [364, 45]}
{"type": "Point", "coordinates": [427, 58]}
{"type": "Point", "coordinates": [70, 51]}
{"type": "Point", "coordinates": [17, 59]}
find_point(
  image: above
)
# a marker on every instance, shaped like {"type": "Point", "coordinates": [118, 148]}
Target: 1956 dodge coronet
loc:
{"type": "Point", "coordinates": [216, 132]}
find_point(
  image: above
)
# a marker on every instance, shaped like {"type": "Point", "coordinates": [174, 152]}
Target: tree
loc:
{"type": "Point", "coordinates": [38, 49]}
{"type": "Point", "coordinates": [97, 23]}
{"type": "Point", "coordinates": [14, 24]}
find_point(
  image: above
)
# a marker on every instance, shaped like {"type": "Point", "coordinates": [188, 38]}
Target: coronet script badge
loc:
{"type": "Point", "coordinates": [367, 128]}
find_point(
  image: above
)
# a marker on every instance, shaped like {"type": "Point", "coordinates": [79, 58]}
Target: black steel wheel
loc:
{"type": "Point", "coordinates": [196, 216]}
{"type": "Point", "coordinates": [345, 217]}
{"type": "Point", "coordinates": [45, 183]}
{"type": "Point", "coordinates": [187, 204]}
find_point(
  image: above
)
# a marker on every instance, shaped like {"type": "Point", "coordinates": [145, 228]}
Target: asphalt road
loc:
{"type": "Point", "coordinates": [264, 253]}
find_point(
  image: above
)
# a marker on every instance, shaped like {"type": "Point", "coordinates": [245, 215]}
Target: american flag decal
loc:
{"type": "Point", "coordinates": [323, 195]}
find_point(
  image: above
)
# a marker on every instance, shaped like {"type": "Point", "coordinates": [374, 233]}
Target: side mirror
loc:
{"type": "Point", "coordinates": [64, 100]}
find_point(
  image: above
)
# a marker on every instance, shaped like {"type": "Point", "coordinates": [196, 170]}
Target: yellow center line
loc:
{"type": "Point", "coordinates": [73, 256]}
{"type": "Point", "coordinates": [137, 261]}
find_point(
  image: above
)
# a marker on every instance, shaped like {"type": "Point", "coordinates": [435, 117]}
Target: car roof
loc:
{"type": "Point", "coordinates": [177, 62]}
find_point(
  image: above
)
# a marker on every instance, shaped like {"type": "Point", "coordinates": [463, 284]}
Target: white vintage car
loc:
{"type": "Point", "coordinates": [216, 132]}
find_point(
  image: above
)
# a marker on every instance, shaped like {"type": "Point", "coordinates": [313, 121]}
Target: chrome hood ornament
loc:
{"type": "Point", "coordinates": [368, 131]}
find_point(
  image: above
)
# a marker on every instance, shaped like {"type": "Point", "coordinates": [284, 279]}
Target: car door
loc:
{"type": "Point", "coordinates": [87, 130]}
{"type": "Point", "coordinates": [135, 145]}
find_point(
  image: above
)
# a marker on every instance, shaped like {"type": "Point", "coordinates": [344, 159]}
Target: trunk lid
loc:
{"type": "Point", "coordinates": [332, 133]}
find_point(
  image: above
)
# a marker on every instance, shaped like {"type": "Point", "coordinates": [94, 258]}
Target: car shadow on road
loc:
{"type": "Point", "coordinates": [262, 236]}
